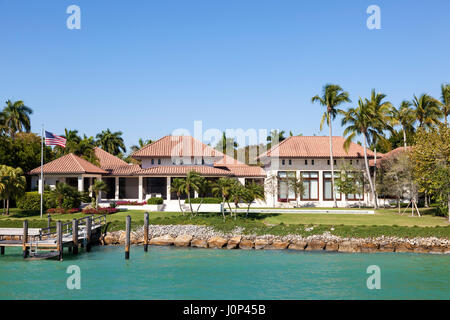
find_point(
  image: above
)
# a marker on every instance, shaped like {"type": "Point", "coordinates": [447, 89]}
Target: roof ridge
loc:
{"type": "Point", "coordinates": [74, 157]}
{"type": "Point", "coordinates": [148, 145]}
{"type": "Point", "coordinates": [272, 148]}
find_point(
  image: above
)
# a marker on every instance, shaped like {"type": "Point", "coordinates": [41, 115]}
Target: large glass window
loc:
{"type": "Point", "coordinates": [311, 184]}
{"type": "Point", "coordinates": [328, 186]}
{"type": "Point", "coordinates": [285, 192]}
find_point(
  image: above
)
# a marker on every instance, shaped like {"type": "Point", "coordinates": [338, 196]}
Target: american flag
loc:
{"type": "Point", "coordinates": [54, 140]}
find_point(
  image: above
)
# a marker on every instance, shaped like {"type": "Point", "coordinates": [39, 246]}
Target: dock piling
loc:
{"type": "Point", "coordinates": [127, 238]}
{"type": "Point", "coordinates": [2, 250]}
{"type": "Point", "coordinates": [75, 235]}
{"type": "Point", "coordinates": [25, 239]}
{"type": "Point", "coordinates": [59, 244]}
{"type": "Point", "coordinates": [88, 233]}
{"type": "Point", "coordinates": [146, 219]}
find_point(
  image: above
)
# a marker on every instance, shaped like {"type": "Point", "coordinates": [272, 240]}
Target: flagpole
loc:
{"type": "Point", "coordinates": [42, 170]}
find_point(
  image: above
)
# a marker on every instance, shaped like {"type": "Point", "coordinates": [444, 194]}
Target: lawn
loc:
{"type": "Point", "coordinates": [384, 222]}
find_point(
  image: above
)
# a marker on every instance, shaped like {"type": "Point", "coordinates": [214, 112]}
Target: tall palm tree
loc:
{"type": "Point", "coordinates": [226, 145]}
{"type": "Point", "coordinates": [72, 142]}
{"type": "Point", "coordinates": [12, 184]}
{"type": "Point", "coordinates": [445, 100]}
{"type": "Point", "coordinates": [16, 117]}
{"type": "Point", "coordinates": [221, 188]}
{"type": "Point", "coordinates": [97, 187]}
{"type": "Point", "coordinates": [404, 116]}
{"type": "Point", "coordinates": [177, 186]}
{"type": "Point", "coordinates": [276, 136]}
{"type": "Point", "coordinates": [427, 110]}
{"type": "Point", "coordinates": [191, 183]}
{"type": "Point", "coordinates": [360, 121]}
{"type": "Point", "coordinates": [381, 121]}
{"type": "Point", "coordinates": [111, 142]}
{"type": "Point", "coordinates": [332, 97]}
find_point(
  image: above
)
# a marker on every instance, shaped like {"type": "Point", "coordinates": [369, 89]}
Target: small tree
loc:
{"type": "Point", "coordinates": [252, 192]}
{"type": "Point", "coordinates": [63, 191]}
{"type": "Point", "coordinates": [203, 188]}
{"type": "Point", "coordinates": [12, 184]}
{"type": "Point", "coordinates": [97, 187]}
{"type": "Point", "coordinates": [177, 186]}
{"type": "Point", "coordinates": [271, 186]}
{"type": "Point", "coordinates": [297, 185]}
{"type": "Point", "coordinates": [221, 188]}
{"type": "Point", "coordinates": [347, 182]}
{"type": "Point", "coordinates": [191, 183]}
{"type": "Point", "coordinates": [236, 195]}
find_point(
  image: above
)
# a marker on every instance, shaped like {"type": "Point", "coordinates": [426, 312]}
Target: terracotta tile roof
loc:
{"type": "Point", "coordinates": [123, 170]}
{"type": "Point", "coordinates": [68, 164]}
{"type": "Point", "coordinates": [314, 147]}
{"type": "Point", "coordinates": [389, 155]}
{"type": "Point", "coordinates": [107, 160]}
{"type": "Point", "coordinates": [176, 146]}
{"type": "Point", "coordinates": [247, 171]}
{"type": "Point", "coordinates": [113, 165]}
{"type": "Point", "coordinates": [183, 170]}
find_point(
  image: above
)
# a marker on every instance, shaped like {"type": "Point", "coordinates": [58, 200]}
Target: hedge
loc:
{"type": "Point", "coordinates": [32, 201]}
{"type": "Point", "coordinates": [155, 201]}
{"type": "Point", "coordinates": [205, 200]}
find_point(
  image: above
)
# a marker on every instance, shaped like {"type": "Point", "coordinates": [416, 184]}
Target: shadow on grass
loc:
{"type": "Point", "coordinates": [24, 214]}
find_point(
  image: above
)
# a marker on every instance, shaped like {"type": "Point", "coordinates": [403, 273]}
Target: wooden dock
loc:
{"type": "Point", "coordinates": [50, 242]}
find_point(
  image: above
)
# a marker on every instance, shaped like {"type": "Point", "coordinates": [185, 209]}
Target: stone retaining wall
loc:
{"type": "Point", "coordinates": [206, 237]}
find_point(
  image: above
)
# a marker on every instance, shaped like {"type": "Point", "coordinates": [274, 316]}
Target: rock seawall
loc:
{"type": "Point", "coordinates": [207, 237]}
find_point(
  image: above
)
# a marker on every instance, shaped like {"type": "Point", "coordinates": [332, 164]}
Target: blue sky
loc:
{"type": "Point", "coordinates": [149, 67]}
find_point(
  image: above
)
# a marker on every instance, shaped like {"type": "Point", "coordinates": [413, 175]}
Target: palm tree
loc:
{"type": "Point", "coordinates": [203, 188]}
{"type": "Point", "coordinates": [236, 195]}
{"type": "Point", "coordinates": [445, 100]}
{"type": "Point", "coordinates": [111, 142]}
{"type": "Point", "coordinates": [226, 145]}
{"type": "Point", "coordinates": [191, 183]}
{"type": "Point", "coordinates": [332, 96]}
{"type": "Point", "coordinates": [16, 117]}
{"type": "Point", "coordinates": [97, 187]}
{"type": "Point", "coordinates": [404, 116]}
{"type": "Point", "coordinates": [141, 143]}
{"type": "Point", "coordinates": [177, 186]}
{"type": "Point", "coordinates": [275, 137]}
{"type": "Point", "coordinates": [361, 121]}
{"type": "Point", "coordinates": [61, 191]}
{"type": "Point", "coordinates": [252, 192]}
{"type": "Point", "coordinates": [221, 188]}
{"type": "Point", "coordinates": [427, 110]}
{"type": "Point", "coordinates": [12, 184]}
{"type": "Point", "coordinates": [381, 122]}
{"type": "Point", "coordinates": [72, 142]}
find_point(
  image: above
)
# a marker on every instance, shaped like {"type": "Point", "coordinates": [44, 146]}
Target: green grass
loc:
{"type": "Point", "coordinates": [384, 222]}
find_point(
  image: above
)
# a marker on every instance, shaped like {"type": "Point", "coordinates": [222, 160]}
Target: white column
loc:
{"type": "Point", "coordinates": [80, 183]}
{"type": "Point", "coordinates": [141, 191]}
{"type": "Point", "coordinates": [168, 188]}
{"type": "Point", "coordinates": [40, 185]}
{"type": "Point", "coordinates": [116, 190]}
{"type": "Point", "coordinates": [195, 194]}
{"type": "Point", "coordinates": [100, 193]}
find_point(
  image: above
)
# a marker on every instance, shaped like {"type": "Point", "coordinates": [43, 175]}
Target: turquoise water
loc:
{"type": "Point", "coordinates": [185, 273]}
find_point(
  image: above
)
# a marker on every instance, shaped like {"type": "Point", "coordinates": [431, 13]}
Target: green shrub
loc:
{"type": "Point", "coordinates": [32, 201]}
{"type": "Point", "coordinates": [155, 201]}
{"type": "Point", "coordinates": [205, 200]}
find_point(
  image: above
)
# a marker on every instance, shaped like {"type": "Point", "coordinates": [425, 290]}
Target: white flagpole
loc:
{"type": "Point", "coordinates": [42, 170]}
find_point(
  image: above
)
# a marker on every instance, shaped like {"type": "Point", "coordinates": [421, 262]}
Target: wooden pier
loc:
{"type": "Point", "coordinates": [50, 242]}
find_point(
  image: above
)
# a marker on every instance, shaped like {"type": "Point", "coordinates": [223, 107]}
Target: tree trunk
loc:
{"type": "Point", "coordinates": [331, 160]}
{"type": "Point", "coordinates": [96, 199]}
{"type": "Point", "coordinates": [375, 177]}
{"type": "Point", "coordinates": [398, 202]}
{"type": "Point", "coordinates": [368, 172]}
{"type": "Point", "coordinates": [448, 206]}
{"type": "Point", "coordinates": [190, 204]}
{"type": "Point", "coordinates": [198, 208]}
{"type": "Point", "coordinates": [7, 207]}
{"type": "Point", "coordinates": [426, 200]}
{"type": "Point", "coordinates": [404, 138]}
{"type": "Point", "coordinates": [223, 207]}
{"type": "Point", "coordinates": [249, 204]}
{"type": "Point", "coordinates": [179, 203]}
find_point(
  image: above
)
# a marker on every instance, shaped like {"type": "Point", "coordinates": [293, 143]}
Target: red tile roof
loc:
{"type": "Point", "coordinates": [113, 165]}
{"type": "Point", "coordinates": [314, 147]}
{"type": "Point", "coordinates": [106, 159]}
{"type": "Point", "coordinates": [176, 146]}
{"type": "Point", "coordinates": [68, 164]}
{"type": "Point", "coordinates": [182, 171]}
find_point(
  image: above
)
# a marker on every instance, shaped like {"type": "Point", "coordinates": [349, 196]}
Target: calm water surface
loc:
{"type": "Point", "coordinates": [185, 273]}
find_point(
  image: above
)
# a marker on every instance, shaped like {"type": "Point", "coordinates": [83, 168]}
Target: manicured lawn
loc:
{"type": "Point", "coordinates": [385, 222]}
